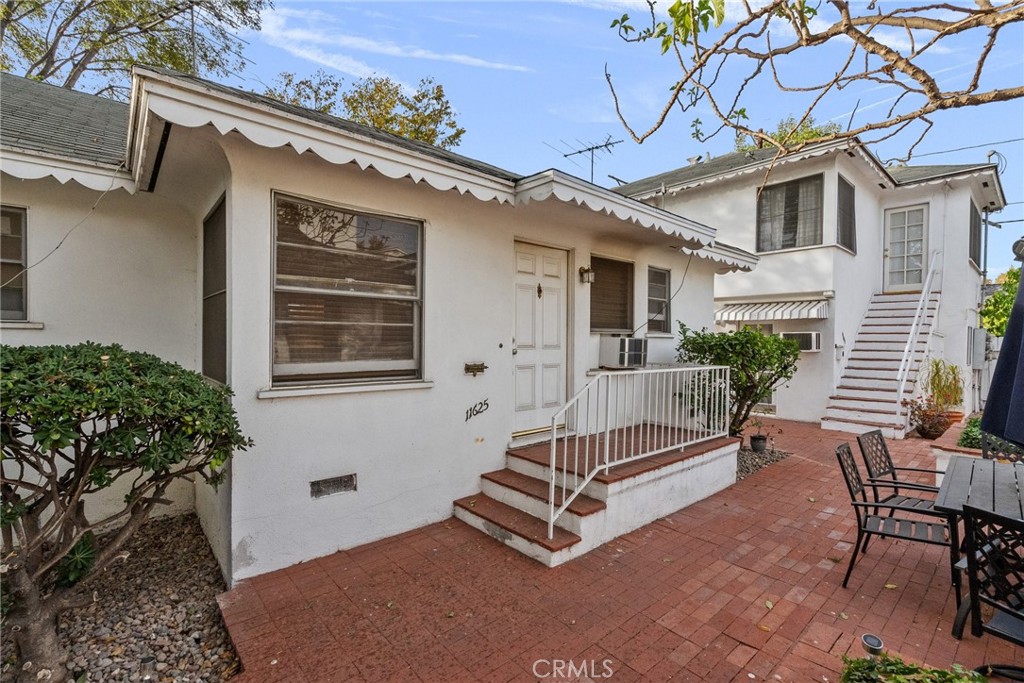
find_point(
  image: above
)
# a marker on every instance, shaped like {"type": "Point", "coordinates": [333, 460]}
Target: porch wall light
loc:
{"type": "Point", "coordinates": [586, 275]}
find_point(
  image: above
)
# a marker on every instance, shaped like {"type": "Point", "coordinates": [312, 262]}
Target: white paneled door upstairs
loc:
{"type": "Point", "coordinates": [539, 345]}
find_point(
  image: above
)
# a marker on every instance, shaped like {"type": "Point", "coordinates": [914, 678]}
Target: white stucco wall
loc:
{"type": "Point", "coordinates": [125, 275]}
{"type": "Point", "coordinates": [412, 449]}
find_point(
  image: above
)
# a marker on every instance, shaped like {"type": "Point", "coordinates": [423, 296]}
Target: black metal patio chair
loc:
{"type": "Point", "coordinates": [903, 522]}
{"type": "Point", "coordinates": [995, 575]}
{"type": "Point", "coordinates": [881, 469]}
{"type": "Point", "coordinates": [995, 448]}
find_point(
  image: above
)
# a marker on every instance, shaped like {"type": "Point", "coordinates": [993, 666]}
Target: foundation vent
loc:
{"type": "Point", "coordinates": [328, 487]}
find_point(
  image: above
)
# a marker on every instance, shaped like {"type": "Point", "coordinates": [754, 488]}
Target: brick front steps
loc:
{"type": "Point", "coordinates": [513, 503]}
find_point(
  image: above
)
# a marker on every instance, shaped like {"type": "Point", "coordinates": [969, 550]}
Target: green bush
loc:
{"type": "Point", "coordinates": [995, 312]}
{"type": "Point", "coordinates": [758, 363]}
{"type": "Point", "coordinates": [73, 421]}
{"type": "Point", "coordinates": [888, 668]}
{"type": "Point", "coordinates": [970, 437]}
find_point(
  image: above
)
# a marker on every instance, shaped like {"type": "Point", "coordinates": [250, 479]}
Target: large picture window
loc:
{"type": "Point", "coordinates": [789, 215]}
{"type": "Point", "coordinates": [611, 296]}
{"type": "Point", "coordinates": [975, 246]}
{"type": "Point", "coordinates": [347, 295]}
{"type": "Point", "coordinates": [12, 264]}
{"type": "Point", "coordinates": [846, 232]}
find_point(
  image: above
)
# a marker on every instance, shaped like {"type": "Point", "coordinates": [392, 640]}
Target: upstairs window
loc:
{"type": "Point", "coordinates": [12, 264]}
{"type": "Point", "coordinates": [347, 295]}
{"type": "Point", "coordinates": [611, 296]}
{"type": "Point", "coordinates": [659, 314]}
{"type": "Point", "coordinates": [789, 215]}
{"type": "Point", "coordinates": [846, 233]}
{"type": "Point", "coordinates": [975, 246]}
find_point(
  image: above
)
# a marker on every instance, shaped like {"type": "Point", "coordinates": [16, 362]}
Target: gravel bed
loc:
{"type": "Point", "coordinates": [748, 462]}
{"type": "Point", "coordinates": [158, 603]}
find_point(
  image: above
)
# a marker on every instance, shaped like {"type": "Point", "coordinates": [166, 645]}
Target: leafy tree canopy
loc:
{"type": "Point", "coordinates": [995, 312]}
{"type": "Point", "coordinates": [721, 51]}
{"type": "Point", "coordinates": [93, 44]}
{"type": "Point", "coordinates": [758, 363]}
{"type": "Point", "coordinates": [75, 421]}
{"type": "Point", "coordinates": [378, 101]}
{"type": "Point", "coordinates": [791, 132]}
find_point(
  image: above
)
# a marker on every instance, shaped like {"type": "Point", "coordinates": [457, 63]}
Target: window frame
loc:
{"type": "Point", "coordinates": [666, 311]}
{"type": "Point", "coordinates": [208, 362]}
{"type": "Point", "coordinates": [975, 236]}
{"type": "Point", "coordinates": [762, 199]}
{"type": "Point", "coordinates": [20, 316]}
{"type": "Point", "coordinates": [627, 298]}
{"type": "Point", "coordinates": [852, 246]}
{"type": "Point", "coordinates": [360, 371]}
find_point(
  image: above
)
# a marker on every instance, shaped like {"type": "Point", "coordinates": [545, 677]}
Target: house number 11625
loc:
{"type": "Point", "coordinates": [477, 409]}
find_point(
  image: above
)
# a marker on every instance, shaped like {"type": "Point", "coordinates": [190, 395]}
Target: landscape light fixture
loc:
{"type": "Point", "coordinates": [1018, 249]}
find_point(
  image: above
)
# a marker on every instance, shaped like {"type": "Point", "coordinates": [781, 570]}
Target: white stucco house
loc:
{"type": "Point", "coordinates": [390, 316]}
{"type": "Point", "coordinates": [852, 254]}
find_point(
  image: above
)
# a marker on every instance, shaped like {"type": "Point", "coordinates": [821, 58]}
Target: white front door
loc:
{"type": "Point", "coordinates": [905, 243]}
{"type": "Point", "coordinates": [541, 328]}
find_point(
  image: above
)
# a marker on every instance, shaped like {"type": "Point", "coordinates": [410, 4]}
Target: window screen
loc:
{"type": "Point", "coordinates": [789, 215]}
{"type": "Point", "coordinates": [611, 296]}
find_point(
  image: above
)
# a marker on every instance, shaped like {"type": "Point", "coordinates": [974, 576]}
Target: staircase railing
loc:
{"type": "Point", "coordinates": [907, 362]}
{"type": "Point", "coordinates": [624, 416]}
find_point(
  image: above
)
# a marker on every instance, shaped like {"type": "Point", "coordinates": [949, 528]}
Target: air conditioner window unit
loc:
{"type": "Point", "coordinates": [622, 352]}
{"type": "Point", "coordinates": [807, 341]}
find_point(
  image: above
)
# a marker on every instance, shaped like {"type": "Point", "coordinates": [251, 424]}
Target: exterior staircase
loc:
{"type": "Point", "coordinates": [513, 504]}
{"type": "Point", "coordinates": [866, 396]}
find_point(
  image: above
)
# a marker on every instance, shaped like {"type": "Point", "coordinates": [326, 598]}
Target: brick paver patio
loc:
{"type": "Point", "coordinates": [743, 586]}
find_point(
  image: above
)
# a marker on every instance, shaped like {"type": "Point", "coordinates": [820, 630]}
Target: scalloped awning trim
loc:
{"type": "Point", "coordinates": [569, 189]}
{"type": "Point", "coordinates": [193, 106]}
{"type": "Point", "coordinates": [29, 165]}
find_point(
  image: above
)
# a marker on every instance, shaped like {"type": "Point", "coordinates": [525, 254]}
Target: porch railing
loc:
{"type": "Point", "coordinates": [907, 362]}
{"type": "Point", "coordinates": [623, 416]}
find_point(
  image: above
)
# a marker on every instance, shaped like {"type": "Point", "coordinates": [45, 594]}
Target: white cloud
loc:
{"type": "Point", "coordinates": [318, 32]}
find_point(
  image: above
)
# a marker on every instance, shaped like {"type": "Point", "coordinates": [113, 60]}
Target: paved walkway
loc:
{"type": "Point", "coordinates": [743, 586]}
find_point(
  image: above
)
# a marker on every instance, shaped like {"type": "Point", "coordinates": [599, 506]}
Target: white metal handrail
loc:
{"type": "Point", "coordinates": [915, 329]}
{"type": "Point", "coordinates": [624, 416]}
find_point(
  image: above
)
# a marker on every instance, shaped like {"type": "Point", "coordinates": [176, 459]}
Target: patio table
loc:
{"type": "Point", "coordinates": [984, 484]}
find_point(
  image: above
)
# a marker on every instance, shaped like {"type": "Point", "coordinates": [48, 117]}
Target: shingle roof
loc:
{"type": "Point", "coordinates": [904, 175]}
{"type": "Point", "coordinates": [44, 118]}
{"type": "Point", "coordinates": [344, 125]}
{"type": "Point", "coordinates": [712, 167]}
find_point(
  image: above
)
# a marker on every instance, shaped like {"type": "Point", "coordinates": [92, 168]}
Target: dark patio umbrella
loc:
{"type": "Point", "coordinates": [1004, 410]}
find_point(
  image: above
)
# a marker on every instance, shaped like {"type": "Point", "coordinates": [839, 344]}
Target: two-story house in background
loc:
{"type": "Point", "coordinates": [850, 250]}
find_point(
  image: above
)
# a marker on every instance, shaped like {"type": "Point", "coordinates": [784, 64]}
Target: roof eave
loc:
{"type": "Point", "coordinates": [33, 165]}
{"type": "Point", "coordinates": [192, 105]}
{"type": "Point", "coordinates": [569, 189]}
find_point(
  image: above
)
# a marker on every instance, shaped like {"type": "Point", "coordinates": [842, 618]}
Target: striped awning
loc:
{"type": "Point", "coordinates": [772, 310]}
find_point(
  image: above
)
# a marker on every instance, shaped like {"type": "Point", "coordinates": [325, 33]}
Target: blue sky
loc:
{"type": "Point", "coordinates": [527, 80]}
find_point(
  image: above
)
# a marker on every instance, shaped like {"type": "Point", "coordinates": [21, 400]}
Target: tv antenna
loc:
{"type": "Point", "coordinates": [591, 149]}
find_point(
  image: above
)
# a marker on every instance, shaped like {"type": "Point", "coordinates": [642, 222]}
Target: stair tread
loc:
{"type": "Point", "coordinates": [517, 522]}
{"type": "Point", "coordinates": [870, 423]}
{"type": "Point", "coordinates": [536, 488]}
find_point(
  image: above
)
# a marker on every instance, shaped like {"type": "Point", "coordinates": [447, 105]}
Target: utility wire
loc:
{"type": "Point", "coordinates": [113, 179]}
{"type": "Point", "coordinates": [960, 149]}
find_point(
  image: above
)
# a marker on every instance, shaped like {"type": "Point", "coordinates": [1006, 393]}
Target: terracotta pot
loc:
{"type": "Point", "coordinates": [955, 416]}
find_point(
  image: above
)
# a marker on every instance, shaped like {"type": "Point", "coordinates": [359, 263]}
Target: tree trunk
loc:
{"type": "Point", "coordinates": [33, 626]}
{"type": "Point", "coordinates": [39, 650]}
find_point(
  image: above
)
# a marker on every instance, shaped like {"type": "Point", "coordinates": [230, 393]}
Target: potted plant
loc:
{"type": "Point", "coordinates": [927, 417]}
{"type": "Point", "coordinates": [944, 384]}
{"type": "Point", "coordinates": [759, 439]}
